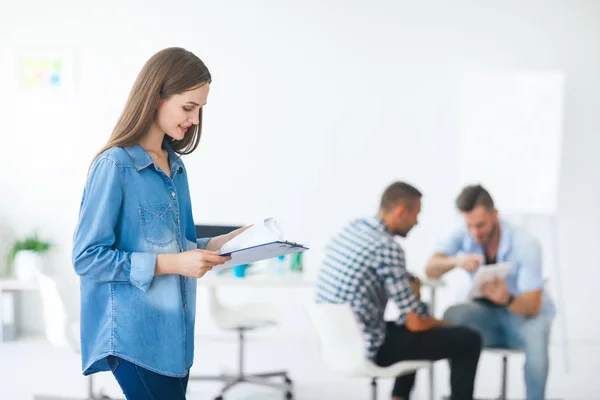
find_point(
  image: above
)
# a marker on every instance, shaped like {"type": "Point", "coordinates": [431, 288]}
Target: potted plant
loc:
{"type": "Point", "coordinates": [26, 257]}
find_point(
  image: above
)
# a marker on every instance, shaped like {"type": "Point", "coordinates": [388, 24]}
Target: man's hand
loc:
{"type": "Point", "coordinates": [416, 323]}
{"type": "Point", "coordinates": [496, 291]}
{"type": "Point", "coordinates": [469, 262]}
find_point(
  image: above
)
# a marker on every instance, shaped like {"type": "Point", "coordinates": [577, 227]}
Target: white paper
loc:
{"type": "Point", "coordinates": [487, 273]}
{"type": "Point", "coordinates": [265, 231]}
{"type": "Point", "coordinates": [262, 241]}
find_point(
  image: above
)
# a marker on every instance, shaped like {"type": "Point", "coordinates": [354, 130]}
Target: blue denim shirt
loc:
{"type": "Point", "coordinates": [130, 212]}
{"type": "Point", "coordinates": [517, 246]}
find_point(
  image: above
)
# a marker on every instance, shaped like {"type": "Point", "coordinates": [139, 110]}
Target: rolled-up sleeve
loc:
{"type": "Point", "coordinates": [452, 244]}
{"type": "Point", "coordinates": [392, 270]}
{"type": "Point", "coordinates": [530, 276]}
{"type": "Point", "coordinates": [142, 269]}
{"type": "Point", "coordinates": [202, 243]}
{"type": "Point", "coordinates": [94, 255]}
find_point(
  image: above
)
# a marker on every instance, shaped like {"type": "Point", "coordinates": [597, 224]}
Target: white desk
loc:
{"type": "Point", "coordinates": [290, 280]}
{"type": "Point", "coordinates": [12, 286]}
{"type": "Point", "coordinates": [15, 285]}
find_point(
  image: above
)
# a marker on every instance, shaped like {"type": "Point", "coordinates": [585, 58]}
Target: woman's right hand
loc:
{"type": "Point", "coordinates": [196, 263]}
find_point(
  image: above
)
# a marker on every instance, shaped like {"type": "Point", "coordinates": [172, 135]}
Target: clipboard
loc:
{"type": "Point", "coordinates": [487, 273]}
{"type": "Point", "coordinates": [259, 252]}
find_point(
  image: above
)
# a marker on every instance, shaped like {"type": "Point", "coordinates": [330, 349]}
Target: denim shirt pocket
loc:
{"type": "Point", "coordinates": [158, 223]}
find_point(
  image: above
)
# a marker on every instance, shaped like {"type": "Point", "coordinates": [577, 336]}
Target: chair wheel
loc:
{"type": "Point", "coordinates": [287, 380]}
{"type": "Point", "coordinates": [219, 398]}
{"type": "Point", "coordinates": [289, 396]}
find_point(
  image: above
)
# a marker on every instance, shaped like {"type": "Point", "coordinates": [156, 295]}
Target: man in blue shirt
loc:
{"type": "Point", "coordinates": [514, 312]}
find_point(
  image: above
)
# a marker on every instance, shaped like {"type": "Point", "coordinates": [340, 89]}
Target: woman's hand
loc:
{"type": "Point", "coordinates": [193, 263]}
{"type": "Point", "coordinates": [196, 263]}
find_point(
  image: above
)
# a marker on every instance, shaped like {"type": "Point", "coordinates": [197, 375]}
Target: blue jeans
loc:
{"type": "Point", "coordinates": [139, 383]}
{"type": "Point", "coordinates": [500, 328]}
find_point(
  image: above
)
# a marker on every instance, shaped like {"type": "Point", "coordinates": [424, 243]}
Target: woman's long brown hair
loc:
{"type": "Point", "coordinates": [170, 71]}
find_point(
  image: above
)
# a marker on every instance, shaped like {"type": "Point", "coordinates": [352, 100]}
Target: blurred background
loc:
{"type": "Point", "coordinates": [315, 107]}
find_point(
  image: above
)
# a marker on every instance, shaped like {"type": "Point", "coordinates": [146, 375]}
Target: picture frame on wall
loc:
{"type": "Point", "coordinates": [46, 70]}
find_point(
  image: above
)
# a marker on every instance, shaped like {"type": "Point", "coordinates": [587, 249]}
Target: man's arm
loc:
{"type": "Point", "coordinates": [530, 280]}
{"type": "Point", "coordinates": [390, 267]}
{"type": "Point", "coordinates": [439, 264]}
{"type": "Point", "coordinates": [444, 259]}
{"type": "Point", "coordinates": [528, 304]}
{"type": "Point", "coordinates": [528, 256]}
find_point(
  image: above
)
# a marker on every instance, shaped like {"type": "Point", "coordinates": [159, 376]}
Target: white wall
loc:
{"type": "Point", "coordinates": [315, 107]}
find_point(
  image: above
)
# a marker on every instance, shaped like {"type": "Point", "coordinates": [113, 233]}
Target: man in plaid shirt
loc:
{"type": "Point", "coordinates": [364, 266]}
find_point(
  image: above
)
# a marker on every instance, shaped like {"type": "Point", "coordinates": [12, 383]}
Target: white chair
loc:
{"type": "Point", "coordinates": [59, 332]}
{"type": "Point", "coordinates": [242, 319]}
{"type": "Point", "coordinates": [504, 353]}
{"type": "Point", "coordinates": [342, 345]}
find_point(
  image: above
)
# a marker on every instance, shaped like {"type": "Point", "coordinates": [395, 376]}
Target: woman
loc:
{"type": "Point", "coordinates": [135, 245]}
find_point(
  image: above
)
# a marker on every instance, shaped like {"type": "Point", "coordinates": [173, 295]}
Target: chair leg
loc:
{"type": "Point", "coordinates": [503, 391]}
{"type": "Point", "coordinates": [374, 389]}
{"type": "Point", "coordinates": [241, 376]}
{"type": "Point", "coordinates": [264, 382]}
{"type": "Point", "coordinates": [241, 359]}
{"type": "Point", "coordinates": [229, 385]}
{"type": "Point", "coordinates": [273, 374]}
{"type": "Point", "coordinates": [90, 387]}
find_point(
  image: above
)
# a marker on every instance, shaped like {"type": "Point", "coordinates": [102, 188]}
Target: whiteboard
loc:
{"type": "Point", "coordinates": [510, 137]}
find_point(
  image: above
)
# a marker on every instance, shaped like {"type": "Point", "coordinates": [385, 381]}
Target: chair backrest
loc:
{"type": "Point", "coordinates": [55, 315]}
{"type": "Point", "coordinates": [246, 316]}
{"type": "Point", "coordinates": [215, 307]}
{"type": "Point", "coordinates": [340, 337]}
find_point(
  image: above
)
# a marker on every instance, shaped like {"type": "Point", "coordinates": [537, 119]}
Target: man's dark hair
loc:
{"type": "Point", "coordinates": [473, 196]}
{"type": "Point", "coordinates": [398, 192]}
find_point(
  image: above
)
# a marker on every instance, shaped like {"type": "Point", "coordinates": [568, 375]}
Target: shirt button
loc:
{"type": "Point", "coordinates": [185, 305]}
{"type": "Point", "coordinates": [172, 194]}
{"type": "Point", "coordinates": [177, 221]}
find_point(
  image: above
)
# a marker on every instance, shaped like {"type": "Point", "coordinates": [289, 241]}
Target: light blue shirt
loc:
{"type": "Point", "coordinates": [130, 212]}
{"type": "Point", "coordinates": [518, 247]}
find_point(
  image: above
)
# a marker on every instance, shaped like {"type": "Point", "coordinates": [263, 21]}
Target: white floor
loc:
{"type": "Point", "coordinates": [32, 366]}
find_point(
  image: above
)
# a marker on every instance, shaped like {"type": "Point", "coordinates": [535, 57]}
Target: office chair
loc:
{"type": "Point", "coordinates": [241, 320]}
{"type": "Point", "coordinates": [342, 345]}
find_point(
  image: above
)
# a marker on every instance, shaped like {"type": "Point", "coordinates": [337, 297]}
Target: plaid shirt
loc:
{"type": "Point", "coordinates": [364, 267]}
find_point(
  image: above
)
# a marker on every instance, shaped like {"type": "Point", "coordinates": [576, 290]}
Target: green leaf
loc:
{"type": "Point", "coordinates": [31, 243]}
